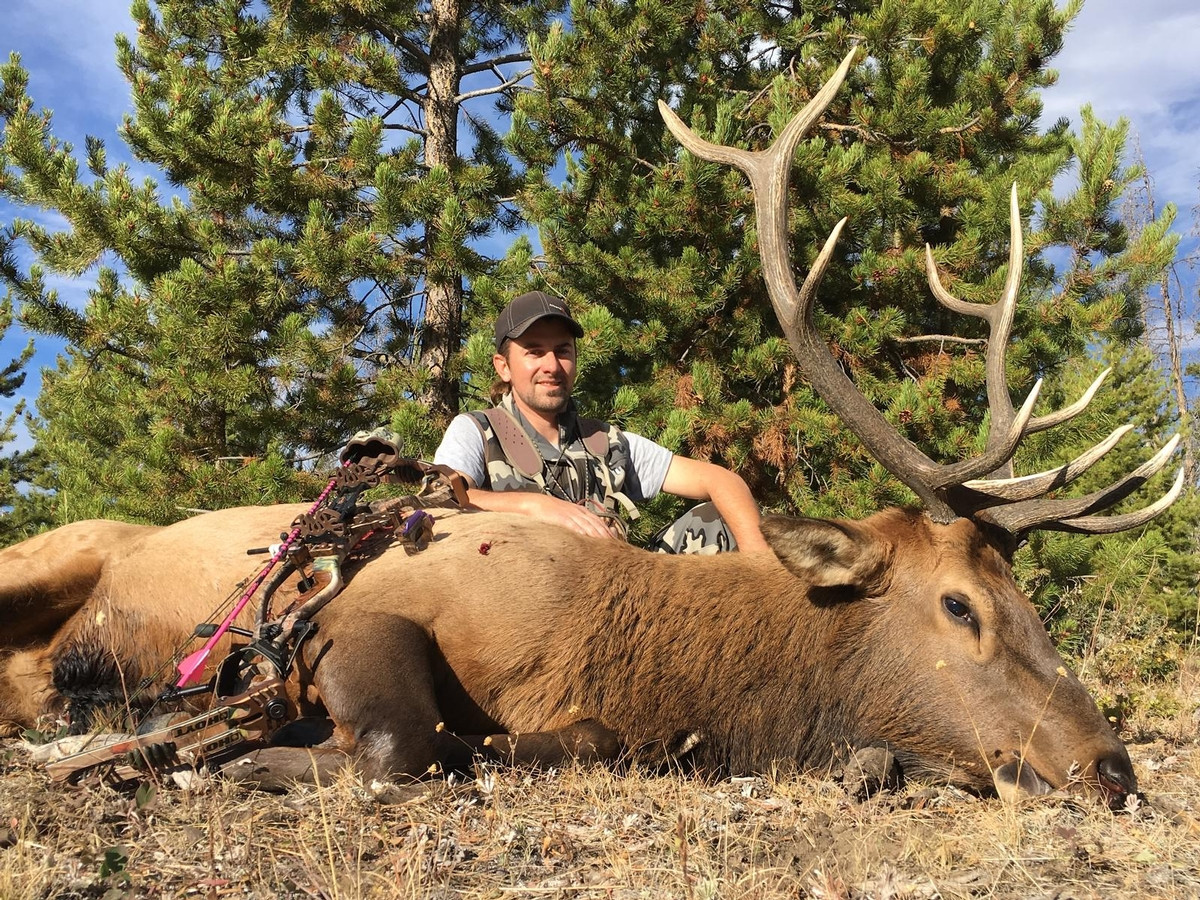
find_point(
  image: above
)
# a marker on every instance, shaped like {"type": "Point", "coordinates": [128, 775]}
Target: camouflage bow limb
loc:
{"type": "Point", "coordinates": [245, 719]}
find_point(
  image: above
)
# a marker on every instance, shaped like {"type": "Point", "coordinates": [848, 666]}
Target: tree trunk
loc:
{"type": "Point", "coordinates": [1140, 213]}
{"type": "Point", "coordinates": [1176, 361]}
{"type": "Point", "coordinates": [444, 296]}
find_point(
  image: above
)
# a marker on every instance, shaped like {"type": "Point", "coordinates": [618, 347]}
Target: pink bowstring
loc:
{"type": "Point", "coordinates": [192, 664]}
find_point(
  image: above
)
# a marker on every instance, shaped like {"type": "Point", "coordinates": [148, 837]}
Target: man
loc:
{"type": "Point", "coordinates": [532, 454]}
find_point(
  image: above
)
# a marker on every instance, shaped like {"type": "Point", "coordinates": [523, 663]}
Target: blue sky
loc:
{"type": "Point", "coordinates": [1126, 58]}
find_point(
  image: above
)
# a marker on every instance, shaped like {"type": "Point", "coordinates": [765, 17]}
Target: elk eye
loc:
{"type": "Point", "coordinates": [956, 605]}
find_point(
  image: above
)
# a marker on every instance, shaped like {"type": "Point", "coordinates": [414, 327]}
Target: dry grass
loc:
{"type": "Point", "coordinates": [589, 833]}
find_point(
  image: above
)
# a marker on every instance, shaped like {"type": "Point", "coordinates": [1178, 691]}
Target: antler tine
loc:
{"type": "Point", "coordinates": [1027, 487]}
{"type": "Point", "coordinates": [1123, 522]}
{"type": "Point", "coordinates": [1000, 313]}
{"type": "Point", "coordinates": [1028, 515]}
{"type": "Point", "coordinates": [1041, 423]}
{"type": "Point", "coordinates": [999, 316]}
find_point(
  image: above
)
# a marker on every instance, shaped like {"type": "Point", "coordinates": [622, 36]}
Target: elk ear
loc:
{"type": "Point", "coordinates": [830, 554]}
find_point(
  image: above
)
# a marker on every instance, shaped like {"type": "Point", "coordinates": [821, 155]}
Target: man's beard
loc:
{"type": "Point", "coordinates": [547, 398]}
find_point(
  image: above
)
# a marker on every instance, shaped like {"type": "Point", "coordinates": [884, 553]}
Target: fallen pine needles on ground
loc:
{"type": "Point", "coordinates": [588, 832]}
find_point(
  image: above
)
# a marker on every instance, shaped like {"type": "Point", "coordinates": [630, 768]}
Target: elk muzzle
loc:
{"type": "Point", "coordinates": [1111, 775]}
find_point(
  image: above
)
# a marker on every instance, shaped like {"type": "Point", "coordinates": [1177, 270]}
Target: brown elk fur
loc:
{"type": "Point", "coordinates": [505, 626]}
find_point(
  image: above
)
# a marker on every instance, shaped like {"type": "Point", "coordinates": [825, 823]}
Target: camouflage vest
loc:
{"type": "Point", "coordinates": [588, 467]}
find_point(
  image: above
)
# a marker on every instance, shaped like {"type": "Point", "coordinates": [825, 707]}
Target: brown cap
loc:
{"type": "Point", "coordinates": [527, 309]}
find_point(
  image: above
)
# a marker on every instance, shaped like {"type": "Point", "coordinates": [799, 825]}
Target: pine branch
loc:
{"type": "Point", "coordinates": [420, 132]}
{"type": "Point", "coordinates": [492, 63]}
{"type": "Point", "coordinates": [407, 44]}
{"type": "Point", "coordinates": [108, 347]}
{"type": "Point", "coordinates": [497, 89]}
{"type": "Point", "coordinates": [619, 152]}
{"type": "Point", "coordinates": [403, 99]}
{"type": "Point", "coordinates": [864, 133]}
{"type": "Point", "coordinates": [960, 129]}
{"type": "Point", "coordinates": [939, 338]}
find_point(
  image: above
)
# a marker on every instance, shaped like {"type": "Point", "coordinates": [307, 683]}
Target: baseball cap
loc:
{"type": "Point", "coordinates": [522, 312]}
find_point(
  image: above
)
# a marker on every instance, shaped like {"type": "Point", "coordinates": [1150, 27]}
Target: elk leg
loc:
{"type": "Point", "coordinates": [374, 675]}
{"type": "Point", "coordinates": [584, 741]}
{"type": "Point", "coordinates": [375, 678]}
{"type": "Point", "coordinates": [277, 769]}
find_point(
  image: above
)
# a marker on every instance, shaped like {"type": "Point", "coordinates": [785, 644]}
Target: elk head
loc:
{"type": "Point", "coordinates": [1042, 730]}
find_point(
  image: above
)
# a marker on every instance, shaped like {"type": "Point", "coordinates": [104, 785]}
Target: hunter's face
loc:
{"type": "Point", "coordinates": [540, 367]}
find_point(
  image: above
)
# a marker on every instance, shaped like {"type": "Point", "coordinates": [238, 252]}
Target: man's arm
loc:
{"type": "Point", "coordinates": [699, 480]}
{"type": "Point", "coordinates": [540, 506]}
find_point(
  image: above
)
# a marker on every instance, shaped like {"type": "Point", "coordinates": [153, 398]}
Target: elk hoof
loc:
{"type": "Point", "coordinates": [389, 793]}
{"type": "Point", "coordinates": [869, 771]}
{"type": "Point", "coordinates": [1017, 780]}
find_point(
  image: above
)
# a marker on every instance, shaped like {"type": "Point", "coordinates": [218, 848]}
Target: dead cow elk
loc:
{"type": "Point", "coordinates": [905, 629]}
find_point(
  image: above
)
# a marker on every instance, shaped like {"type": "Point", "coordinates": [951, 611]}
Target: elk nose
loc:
{"type": "Point", "coordinates": [1115, 773]}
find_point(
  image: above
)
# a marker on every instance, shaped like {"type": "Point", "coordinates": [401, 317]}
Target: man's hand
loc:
{"type": "Point", "coordinates": [544, 508]}
{"type": "Point", "coordinates": [578, 518]}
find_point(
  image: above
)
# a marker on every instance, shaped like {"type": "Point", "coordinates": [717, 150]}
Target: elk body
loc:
{"type": "Point", "coordinates": [893, 630]}
{"type": "Point", "coordinates": [905, 629]}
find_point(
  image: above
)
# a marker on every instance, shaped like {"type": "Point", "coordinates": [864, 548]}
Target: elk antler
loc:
{"type": "Point", "coordinates": [946, 490]}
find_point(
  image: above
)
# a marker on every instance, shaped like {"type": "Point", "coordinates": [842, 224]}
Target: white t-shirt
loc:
{"type": "Point", "coordinates": [462, 449]}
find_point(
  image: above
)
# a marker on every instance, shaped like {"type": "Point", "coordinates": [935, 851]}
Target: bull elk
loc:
{"type": "Point", "coordinates": [512, 639]}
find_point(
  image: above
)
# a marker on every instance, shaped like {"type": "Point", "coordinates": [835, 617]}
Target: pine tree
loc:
{"type": "Point", "coordinates": [922, 145]}
{"type": "Point", "coordinates": [1154, 568]}
{"type": "Point", "coordinates": [23, 509]}
{"type": "Point", "coordinates": [308, 278]}
{"type": "Point", "coordinates": [1166, 312]}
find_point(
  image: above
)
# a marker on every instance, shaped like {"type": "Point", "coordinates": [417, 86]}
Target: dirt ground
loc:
{"type": "Point", "coordinates": [589, 833]}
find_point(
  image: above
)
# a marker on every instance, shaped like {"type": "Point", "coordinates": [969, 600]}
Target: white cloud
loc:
{"type": "Point", "coordinates": [1138, 59]}
{"type": "Point", "coordinates": [68, 48]}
